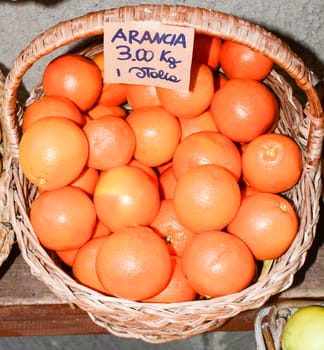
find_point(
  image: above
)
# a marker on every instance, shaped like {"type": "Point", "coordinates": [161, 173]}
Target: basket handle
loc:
{"type": "Point", "coordinates": [204, 20]}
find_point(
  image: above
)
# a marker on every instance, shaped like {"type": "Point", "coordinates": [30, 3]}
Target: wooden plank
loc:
{"type": "Point", "coordinates": [61, 319]}
{"type": "Point", "coordinates": [18, 286]}
{"type": "Point", "coordinates": [50, 319]}
{"type": "Point", "coordinates": [28, 307]}
{"type": "Point", "coordinates": [309, 280]}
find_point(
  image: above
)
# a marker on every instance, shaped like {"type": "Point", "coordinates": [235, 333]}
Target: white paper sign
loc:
{"type": "Point", "coordinates": [148, 53]}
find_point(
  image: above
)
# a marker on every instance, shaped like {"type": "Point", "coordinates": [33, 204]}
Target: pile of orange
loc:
{"type": "Point", "coordinates": [174, 198]}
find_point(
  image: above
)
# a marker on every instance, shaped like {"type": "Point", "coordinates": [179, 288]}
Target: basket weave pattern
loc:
{"type": "Point", "coordinates": [270, 322]}
{"type": "Point", "coordinates": [6, 232]}
{"type": "Point", "coordinates": [165, 322]}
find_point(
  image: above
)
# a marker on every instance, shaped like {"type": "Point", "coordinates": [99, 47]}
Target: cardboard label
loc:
{"type": "Point", "coordinates": [148, 53]}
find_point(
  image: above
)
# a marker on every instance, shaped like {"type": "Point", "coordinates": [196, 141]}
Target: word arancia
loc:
{"type": "Point", "coordinates": [134, 36]}
{"type": "Point", "coordinates": [149, 72]}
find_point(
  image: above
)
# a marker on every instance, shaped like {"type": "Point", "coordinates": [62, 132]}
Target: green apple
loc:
{"type": "Point", "coordinates": [304, 330]}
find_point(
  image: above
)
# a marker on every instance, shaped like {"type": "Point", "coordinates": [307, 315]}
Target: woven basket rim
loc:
{"type": "Point", "coordinates": [100, 307]}
{"type": "Point", "coordinates": [270, 321]}
{"type": "Point", "coordinates": [212, 22]}
{"type": "Point", "coordinates": [6, 232]}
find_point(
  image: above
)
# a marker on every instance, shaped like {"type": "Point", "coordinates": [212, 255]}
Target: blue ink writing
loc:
{"type": "Point", "coordinates": [148, 72]}
{"type": "Point", "coordinates": [134, 36]}
{"type": "Point", "coordinates": [139, 54]}
{"type": "Point", "coordinates": [165, 57]}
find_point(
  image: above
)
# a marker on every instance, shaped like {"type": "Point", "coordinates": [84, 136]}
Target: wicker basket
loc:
{"type": "Point", "coordinates": [270, 322]}
{"type": "Point", "coordinates": [165, 322]}
{"type": "Point", "coordinates": [6, 231]}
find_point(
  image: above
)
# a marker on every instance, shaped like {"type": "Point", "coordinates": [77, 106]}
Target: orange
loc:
{"type": "Point", "coordinates": [87, 180]}
{"type": "Point", "coordinates": [207, 50]}
{"type": "Point", "coordinates": [111, 142]}
{"type": "Point", "coordinates": [98, 59]}
{"type": "Point", "coordinates": [178, 288]}
{"type": "Point", "coordinates": [67, 256]}
{"type": "Point", "coordinates": [126, 196]}
{"type": "Point", "coordinates": [52, 106]}
{"type": "Point", "coordinates": [84, 264]}
{"type": "Point", "coordinates": [267, 223]}
{"type": "Point", "coordinates": [53, 152]}
{"type": "Point", "coordinates": [134, 263]}
{"type": "Point", "coordinates": [203, 122]}
{"type": "Point", "coordinates": [219, 80]}
{"type": "Point", "coordinates": [244, 109]}
{"type": "Point", "coordinates": [247, 191]}
{"type": "Point", "coordinates": [88, 118]}
{"type": "Point", "coordinates": [150, 171]}
{"type": "Point", "coordinates": [113, 94]}
{"type": "Point", "coordinates": [100, 230]}
{"type": "Point", "coordinates": [167, 183]}
{"type": "Point", "coordinates": [274, 124]}
{"type": "Point", "coordinates": [161, 168]}
{"type": "Point", "coordinates": [75, 77]}
{"type": "Point", "coordinates": [63, 219]}
{"type": "Point", "coordinates": [206, 197]}
{"type": "Point", "coordinates": [272, 163]}
{"type": "Point", "coordinates": [167, 225]}
{"type": "Point", "coordinates": [207, 147]}
{"type": "Point", "coordinates": [189, 104]}
{"type": "Point", "coordinates": [217, 263]}
{"type": "Point", "coordinates": [139, 96]}
{"type": "Point", "coordinates": [98, 111]}
{"type": "Point", "coordinates": [240, 61]}
{"type": "Point", "coordinates": [157, 135]}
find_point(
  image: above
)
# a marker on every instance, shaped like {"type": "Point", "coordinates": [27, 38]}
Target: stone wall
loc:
{"type": "Point", "coordinates": [298, 22]}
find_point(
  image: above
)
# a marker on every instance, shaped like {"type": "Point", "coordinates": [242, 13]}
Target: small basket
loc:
{"type": "Point", "coordinates": [158, 323]}
{"type": "Point", "coordinates": [271, 320]}
{"type": "Point", "coordinates": [7, 236]}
